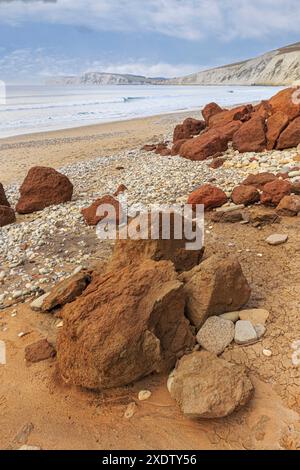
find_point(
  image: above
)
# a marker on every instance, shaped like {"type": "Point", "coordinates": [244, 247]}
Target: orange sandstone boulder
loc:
{"type": "Point", "coordinates": [7, 216]}
{"type": "Point", "coordinates": [287, 101]}
{"type": "Point", "coordinates": [251, 137]}
{"type": "Point", "coordinates": [188, 128]}
{"type": "Point", "coordinates": [91, 214]}
{"type": "Point", "coordinates": [241, 113]}
{"type": "Point", "coordinates": [210, 110]}
{"type": "Point", "coordinates": [245, 195]}
{"type": "Point", "coordinates": [207, 145]}
{"type": "Point", "coordinates": [289, 206]}
{"type": "Point", "coordinates": [290, 137]}
{"type": "Point", "coordinates": [3, 198]}
{"type": "Point", "coordinates": [175, 150]}
{"type": "Point", "coordinates": [259, 180]}
{"type": "Point", "coordinates": [275, 125]}
{"type": "Point", "coordinates": [275, 191]}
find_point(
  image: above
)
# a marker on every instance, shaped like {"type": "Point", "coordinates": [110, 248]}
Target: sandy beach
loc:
{"type": "Point", "coordinates": [59, 148]}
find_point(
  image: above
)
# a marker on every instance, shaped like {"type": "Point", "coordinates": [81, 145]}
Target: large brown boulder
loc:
{"type": "Point", "coordinates": [275, 125]}
{"type": "Point", "coordinates": [251, 137]}
{"type": "Point", "coordinates": [93, 214]}
{"type": "Point", "coordinates": [208, 195]}
{"type": "Point", "coordinates": [286, 101]}
{"type": "Point", "coordinates": [206, 386]}
{"type": "Point", "coordinates": [127, 324]}
{"type": "Point", "coordinates": [241, 113]}
{"type": "Point", "coordinates": [141, 245]}
{"type": "Point", "coordinates": [289, 206]}
{"type": "Point", "coordinates": [3, 198]}
{"type": "Point", "coordinates": [210, 110]}
{"type": "Point", "coordinates": [188, 128]}
{"type": "Point", "coordinates": [275, 191]}
{"type": "Point", "coordinates": [207, 145]}
{"type": "Point", "coordinates": [7, 216]}
{"type": "Point", "coordinates": [246, 195]}
{"type": "Point", "coordinates": [43, 187]}
{"type": "Point", "coordinates": [290, 137]}
{"type": "Point", "coordinates": [216, 286]}
{"type": "Point", "coordinates": [263, 109]}
{"type": "Point", "coordinates": [259, 180]}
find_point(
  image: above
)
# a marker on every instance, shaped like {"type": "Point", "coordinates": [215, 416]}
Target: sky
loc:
{"type": "Point", "coordinates": [43, 38]}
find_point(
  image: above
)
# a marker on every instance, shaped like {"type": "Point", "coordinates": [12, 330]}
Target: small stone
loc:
{"type": "Point", "coordinates": [245, 333]}
{"type": "Point", "coordinates": [216, 334]}
{"type": "Point", "coordinates": [2, 353]}
{"type": "Point", "coordinates": [260, 330]}
{"type": "Point", "coordinates": [37, 304]}
{"type": "Point", "coordinates": [39, 351]}
{"type": "Point", "coordinates": [130, 410]}
{"type": "Point", "coordinates": [267, 352]}
{"type": "Point", "coordinates": [257, 316]}
{"type": "Point", "coordinates": [277, 239]}
{"type": "Point", "coordinates": [144, 395]}
{"type": "Point", "coordinates": [232, 316]}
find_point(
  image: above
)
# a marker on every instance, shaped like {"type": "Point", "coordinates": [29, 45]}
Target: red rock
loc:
{"type": "Point", "coordinates": [217, 163]}
{"type": "Point", "coordinates": [165, 152]}
{"type": "Point", "coordinates": [263, 109]}
{"type": "Point", "coordinates": [149, 147]}
{"type": "Point", "coordinates": [121, 189]}
{"type": "Point", "coordinates": [206, 145]}
{"type": "Point", "coordinates": [209, 195]}
{"type": "Point", "coordinates": [229, 130]}
{"type": "Point", "coordinates": [251, 137]}
{"type": "Point", "coordinates": [296, 187]}
{"type": "Point", "coordinates": [39, 351]}
{"type": "Point", "coordinates": [177, 146]}
{"type": "Point", "coordinates": [7, 216]}
{"type": "Point", "coordinates": [284, 101]}
{"type": "Point", "coordinates": [188, 128]}
{"type": "Point", "coordinates": [43, 187]}
{"type": "Point", "coordinates": [290, 137]}
{"type": "Point", "coordinates": [126, 325]}
{"type": "Point", "coordinates": [210, 110]}
{"type": "Point", "coordinates": [245, 195]}
{"type": "Point", "coordinates": [161, 146]}
{"type": "Point", "coordinates": [90, 213]}
{"type": "Point", "coordinates": [3, 198]}
{"type": "Point", "coordinates": [259, 180]}
{"type": "Point", "coordinates": [275, 191]}
{"type": "Point", "coordinates": [275, 125]}
{"type": "Point", "coordinates": [289, 206]}
{"type": "Point", "coordinates": [242, 113]}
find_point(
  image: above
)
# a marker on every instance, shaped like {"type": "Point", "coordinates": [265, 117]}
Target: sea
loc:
{"type": "Point", "coordinates": [27, 109]}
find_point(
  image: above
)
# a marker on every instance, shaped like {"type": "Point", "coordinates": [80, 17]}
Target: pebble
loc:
{"type": "Point", "coordinates": [232, 316]}
{"type": "Point", "coordinates": [245, 333]}
{"type": "Point", "coordinates": [216, 334]}
{"type": "Point", "coordinates": [144, 395]}
{"type": "Point", "coordinates": [260, 330]}
{"type": "Point", "coordinates": [37, 304]}
{"type": "Point", "coordinates": [2, 353]}
{"type": "Point", "coordinates": [277, 239]}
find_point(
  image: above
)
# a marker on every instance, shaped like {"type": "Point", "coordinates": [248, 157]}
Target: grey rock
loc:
{"type": "Point", "coordinates": [260, 330]}
{"type": "Point", "coordinates": [37, 304]}
{"type": "Point", "coordinates": [277, 239]}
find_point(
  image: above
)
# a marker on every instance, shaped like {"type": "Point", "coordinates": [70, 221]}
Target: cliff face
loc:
{"type": "Point", "coordinates": [98, 78]}
{"type": "Point", "coordinates": [279, 67]}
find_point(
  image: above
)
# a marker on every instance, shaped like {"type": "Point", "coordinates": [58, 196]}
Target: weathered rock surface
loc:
{"type": "Point", "coordinates": [216, 334]}
{"type": "Point", "coordinates": [207, 145]}
{"type": "Point", "coordinates": [65, 292]}
{"type": "Point", "coordinates": [3, 198]}
{"type": "Point", "coordinates": [255, 315]}
{"type": "Point", "coordinates": [205, 386]}
{"type": "Point", "coordinates": [39, 351]}
{"type": "Point", "coordinates": [216, 286]}
{"type": "Point", "coordinates": [210, 110]}
{"type": "Point", "coordinates": [41, 188]}
{"type": "Point", "coordinates": [142, 247]}
{"type": "Point", "coordinates": [93, 214]}
{"type": "Point", "coordinates": [241, 113]}
{"type": "Point", "coordinates": [251, 137]}
{"type": "Point", "coordinates": [175, 150]}
{"type": "Point", "coordinates": [126, 325]}
{"type": "Point", "coordinates": [275, 191]}
{"type": "Point", "coordinates": [208, 195]}
{"type": "Point", "coordinates": [284, 101]}
{"type": "Point", "coordinates": [7, 216]}
{"type": "Point", "coordinates": [289, 206]}
{"type": "Point", "coordinates": [245, 333]}
{"type": "Point", "coordinates": [245, 195]}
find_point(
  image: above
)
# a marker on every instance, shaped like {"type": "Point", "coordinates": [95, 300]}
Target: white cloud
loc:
{"type": "Point", "coordinates": [189, 19]}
